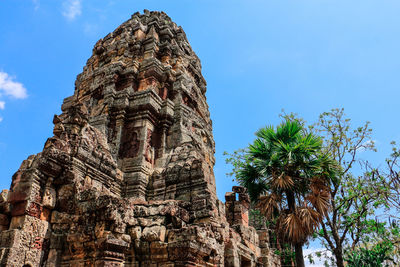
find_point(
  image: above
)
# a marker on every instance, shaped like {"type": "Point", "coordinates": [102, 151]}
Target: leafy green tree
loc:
{"type": "Point", "coordinates": [370, 257]}
{"type": "Point", "coordinates": [390, 175]}
{"type": "Point", "coordinates": [379, 244]}
{"type": "Point", "coordinates": [289, 177]}
{"type": "Point", "coordinates": [389, 229]}
{"type": "Point", "coordinates": [354, 198]}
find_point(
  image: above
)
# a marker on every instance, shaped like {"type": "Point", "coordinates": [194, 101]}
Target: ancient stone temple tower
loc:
{"type": "Point", "coordinates": [127, 179]}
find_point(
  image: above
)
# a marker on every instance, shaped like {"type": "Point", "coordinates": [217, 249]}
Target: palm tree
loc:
{"type": "Point", "coordinates": [288, 176]}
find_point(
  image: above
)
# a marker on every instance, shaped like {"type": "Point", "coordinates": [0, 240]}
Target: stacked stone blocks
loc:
{"type": "Point", "coordinates": [127, 178]}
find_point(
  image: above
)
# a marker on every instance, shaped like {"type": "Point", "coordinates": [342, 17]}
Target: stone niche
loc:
{"type": "Point", "coordinates": [127, 178]}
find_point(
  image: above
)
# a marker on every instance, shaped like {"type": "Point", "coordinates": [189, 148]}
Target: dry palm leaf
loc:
{"type": "Point", "coordinates": [268, 204]}
{"type": "Point", "coordinates": [282, 182]}
{"type": "Point", "coordinates": [318, 184]}
{"type": "Point", "coordinates": [319, 199]}
{"type": "Point", "coordinates": [310, 219]}
{"type": "Point", "coordinates": [293, 228]}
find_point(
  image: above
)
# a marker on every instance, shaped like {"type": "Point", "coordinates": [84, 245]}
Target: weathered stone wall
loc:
{"type": "Point", "coordinates": [127, 179]}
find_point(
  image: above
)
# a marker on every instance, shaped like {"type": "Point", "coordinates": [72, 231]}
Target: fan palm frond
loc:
{"type": "Point", "coordinates": [288, 131]}
{"type": "Point", "coordinates": [311, 143]}
{"type": "Point", "coordinates": [260, 149]}
{"type": "Point", "coordinates": [249, 177]}
{"type": "Point", "coordinates": [293, 227]}
{"type": "Point", "coordinates": [267, 134]}
{"type": "Point", "coordinates": [282, 182]}
{"type": "Point", "coordinates": [319, 198]}
{"type": "Point", "coordinates": [247, 174]}
{"type": "Point", "coordinates": [330, 170]}
{"type": "Point", "coordinates": [268, 204]}
{"type": "Point", "coordinates": [310, 219]}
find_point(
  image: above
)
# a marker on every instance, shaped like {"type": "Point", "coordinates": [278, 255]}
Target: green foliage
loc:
{"type": "Point", "coordinates": [379, 237]}
{"type": "Point", "coordinates": [287, 255]}
{"type": "Point", "coordinates": [370, 257]}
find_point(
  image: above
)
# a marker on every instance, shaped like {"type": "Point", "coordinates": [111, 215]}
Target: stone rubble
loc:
{"type": "Point", "coordinates": [127, 179]}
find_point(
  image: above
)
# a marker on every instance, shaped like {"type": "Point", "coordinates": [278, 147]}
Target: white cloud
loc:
{"type": "Point", "coordinates": [72, 9]}
{"type": "Point", "coordinates": [36, 4]}
{"type": "Point", "coordinates": [10, 87]}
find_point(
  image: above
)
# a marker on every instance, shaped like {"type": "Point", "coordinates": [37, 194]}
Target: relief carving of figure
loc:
{"type": "Point", "coordinates": [149, 152]}
{"type": "Point", "coordinates": [130, 145]}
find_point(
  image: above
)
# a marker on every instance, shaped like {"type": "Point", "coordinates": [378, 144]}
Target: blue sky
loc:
{"type": "Point", "coordinates": [258, 57]}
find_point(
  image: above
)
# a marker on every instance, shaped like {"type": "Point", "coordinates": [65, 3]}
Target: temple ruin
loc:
{"type": "Point", "coordinates": [127, 179]}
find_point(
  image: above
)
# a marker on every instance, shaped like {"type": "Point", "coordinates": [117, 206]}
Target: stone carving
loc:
{"type": "Point", "coordinates": [127, 179]}
{"type": "Point", "coordinates": [129, 142]}
{"type": "Point", "coordinates": [149, 153]}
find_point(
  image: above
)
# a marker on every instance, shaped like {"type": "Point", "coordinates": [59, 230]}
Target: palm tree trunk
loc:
{"type": "Point", "coordinates": [298, 249]}
{"type": "Point", "coordinates": [291, 201]}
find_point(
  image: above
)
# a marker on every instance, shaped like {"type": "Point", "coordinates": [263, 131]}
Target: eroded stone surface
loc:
{"type": "Point", "coordinates": [127, 179]}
